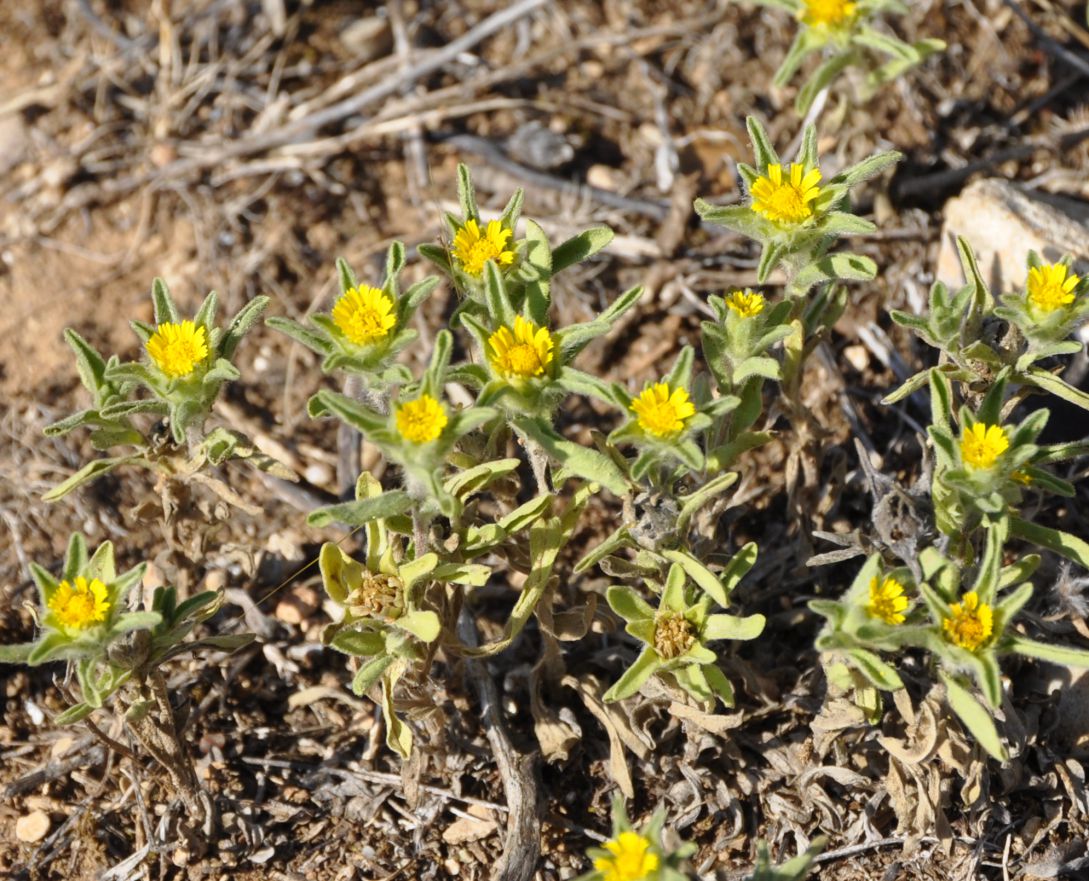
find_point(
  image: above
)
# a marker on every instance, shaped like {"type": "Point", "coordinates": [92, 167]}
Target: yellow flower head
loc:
{"type": "Point", "coordinates": [422, 420]}
{"type": "Point", "coordinates": [887, 601]}
{"type": "Point", "coordinates": [786, 201]}
{"type": "Point", "coordinates": [983, 444]}
{"type": "Point", "coordinates": [522, 351]}
{"type": "Point", "coordinates": [745, 303]}
{"type": "Point", "coordinates": [177, 349]}
{"type": "Point", "coordinates": [1051, 287]}
{"type": "Point", "coordinates": [80, 605]}
{"type": "Point", "coordinates": [1022, 477]}
{"type": "Point", "coordinates": [827, 13]}
{"type": "Point", "coordinates": [630, 858]}
{"type": "Point", "coordinates": [662, 412]}
{"type": "Point", "coordinates": [473, 248]}
{"type": "Point", "coordinates": [971, 623]}
{"type": "Point", "coordinates": [364, 315]}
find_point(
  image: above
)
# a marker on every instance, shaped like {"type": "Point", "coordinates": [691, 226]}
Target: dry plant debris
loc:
{"type": "Point", "coordinates": [243, 146]}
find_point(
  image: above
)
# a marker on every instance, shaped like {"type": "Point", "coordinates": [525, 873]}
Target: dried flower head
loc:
{"type": "Point", "coordinates": [887, 601]}
{"type": "Point", "coordinates": [983, 444]}
{"type": "Point", "coordinates": [377, 596]}
{"type": "Point", "coordinates": [79, 605]}
{"type": "Point", "coordinates": [1051, 287]}
{"type": "Point", "coordinates": [630, 858]}
{"type": "Point", "coordinates": [473, 248]}
{"type": "Point", "coordinates": [746, 303]}
{"type": "Point", "coordinates": [786, 201]}
{"type": "Point", "coordinates": [364, 315]}
{"type": "Point", "coordinates": [673, 635]}
{"type": "Point", "coordinates": [177, 349]}
{"type": "Point", "coordinates": [522, 351]}
{"type": "Point", "coordinates": [970, 624]}
{"type": "Point", "coordinates": [827, 13]}
{"type": "Point", "coordinates": [422, 420]}
{"type": "Point", "coordinates": [662, 412]}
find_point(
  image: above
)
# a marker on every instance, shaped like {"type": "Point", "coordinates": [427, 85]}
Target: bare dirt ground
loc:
{"type": "Point", "coordinates": [195, 141]}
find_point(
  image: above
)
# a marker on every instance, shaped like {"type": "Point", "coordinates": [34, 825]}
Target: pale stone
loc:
{"type": "Point", "coordinates": [466, 829]}
{"type": "Point", "coordinates": [1003, 222]}
{"type": "Point", "coordinates": [33, 827]}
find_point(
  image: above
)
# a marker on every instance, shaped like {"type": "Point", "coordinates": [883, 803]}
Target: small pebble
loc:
{"type": "Point", "coordinates": [33, 827]}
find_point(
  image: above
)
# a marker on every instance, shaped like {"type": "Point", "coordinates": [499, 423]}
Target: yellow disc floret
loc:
{"type": "Point", "coordinates": [521, 351]}
{"type": "Point", "coordinates": [422, 420]}
{"type": "Point", "coordinates": [983, 444]}
{"type": "Point", "coordinates": [786, 200]}
{"type": "Point", "coordinates": [745, 303]}
{"type": "Point", "coordinates": [970, 623]}
{"type": "Point", "coordinates": [630, 858]}
{"type": "Point", "coordinates": [661, 411]}
{"type": "Point", "coordinates": [80, 604]}
{"type": "Point", "coordinates": [1051, 287]}
{"type": "Point", "coordinates": [177, 349]}
{"type": "Point", "coordinates": [887, 601]}
{"type": "Point", "coordinates": [364, 315]}
{"type": "Point", "coordinates": [473, 247]}
{"type": "Point", "coordinates": [827, 13]}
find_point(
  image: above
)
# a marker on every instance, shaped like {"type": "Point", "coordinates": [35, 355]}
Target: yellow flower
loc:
{"type": "Point", "coordinates": [177, 349]}
{"type": "Point", "coordinates": [662, 412]}
{"type": "Point", "coordinates": [630, 860]}
{"type": "Point", "coordinates": [80, 605]}
{"type": "Point", "coordinates": [1051, 287]}
{"type": "Point", "coordinates": [364, 315]}
{"type": "Point", "coordinates": [745, 303]}
{"type": "Point", "coordinates": [422, 420]}
{"type": "Point", "coordinates": [887, 601]}
{"type": "Point", "coordinates": [473, 248]}
{"type": "Point", "coordinates": [522, 351]}
{"type": "Point", "coordinates": [786, 201]}
{"type": "Point", "coordinates": [827, 13]}
{"type": "Point", "coordinates": [971, 623]}
{"type": "Point", "coordinates": [983, 444]}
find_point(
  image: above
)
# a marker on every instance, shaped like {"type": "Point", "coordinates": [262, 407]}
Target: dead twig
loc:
{"type": "Point", "coordinates": [522, 846]}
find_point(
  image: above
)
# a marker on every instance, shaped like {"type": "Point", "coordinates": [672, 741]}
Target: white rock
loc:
{"type": "Point", "coordinates": [1003, 222]}
{"type": "Point", "coordinates": [33, 827]}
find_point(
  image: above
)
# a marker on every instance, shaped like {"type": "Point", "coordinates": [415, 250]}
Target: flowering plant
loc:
{"type": "Point", "coordinates": [188, 362]}
{"type": "Point", "coordinates": [843, 32]}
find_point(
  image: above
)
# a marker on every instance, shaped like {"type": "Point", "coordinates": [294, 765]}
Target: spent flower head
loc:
{"type": "Point", "coordinates": [676, 635]}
